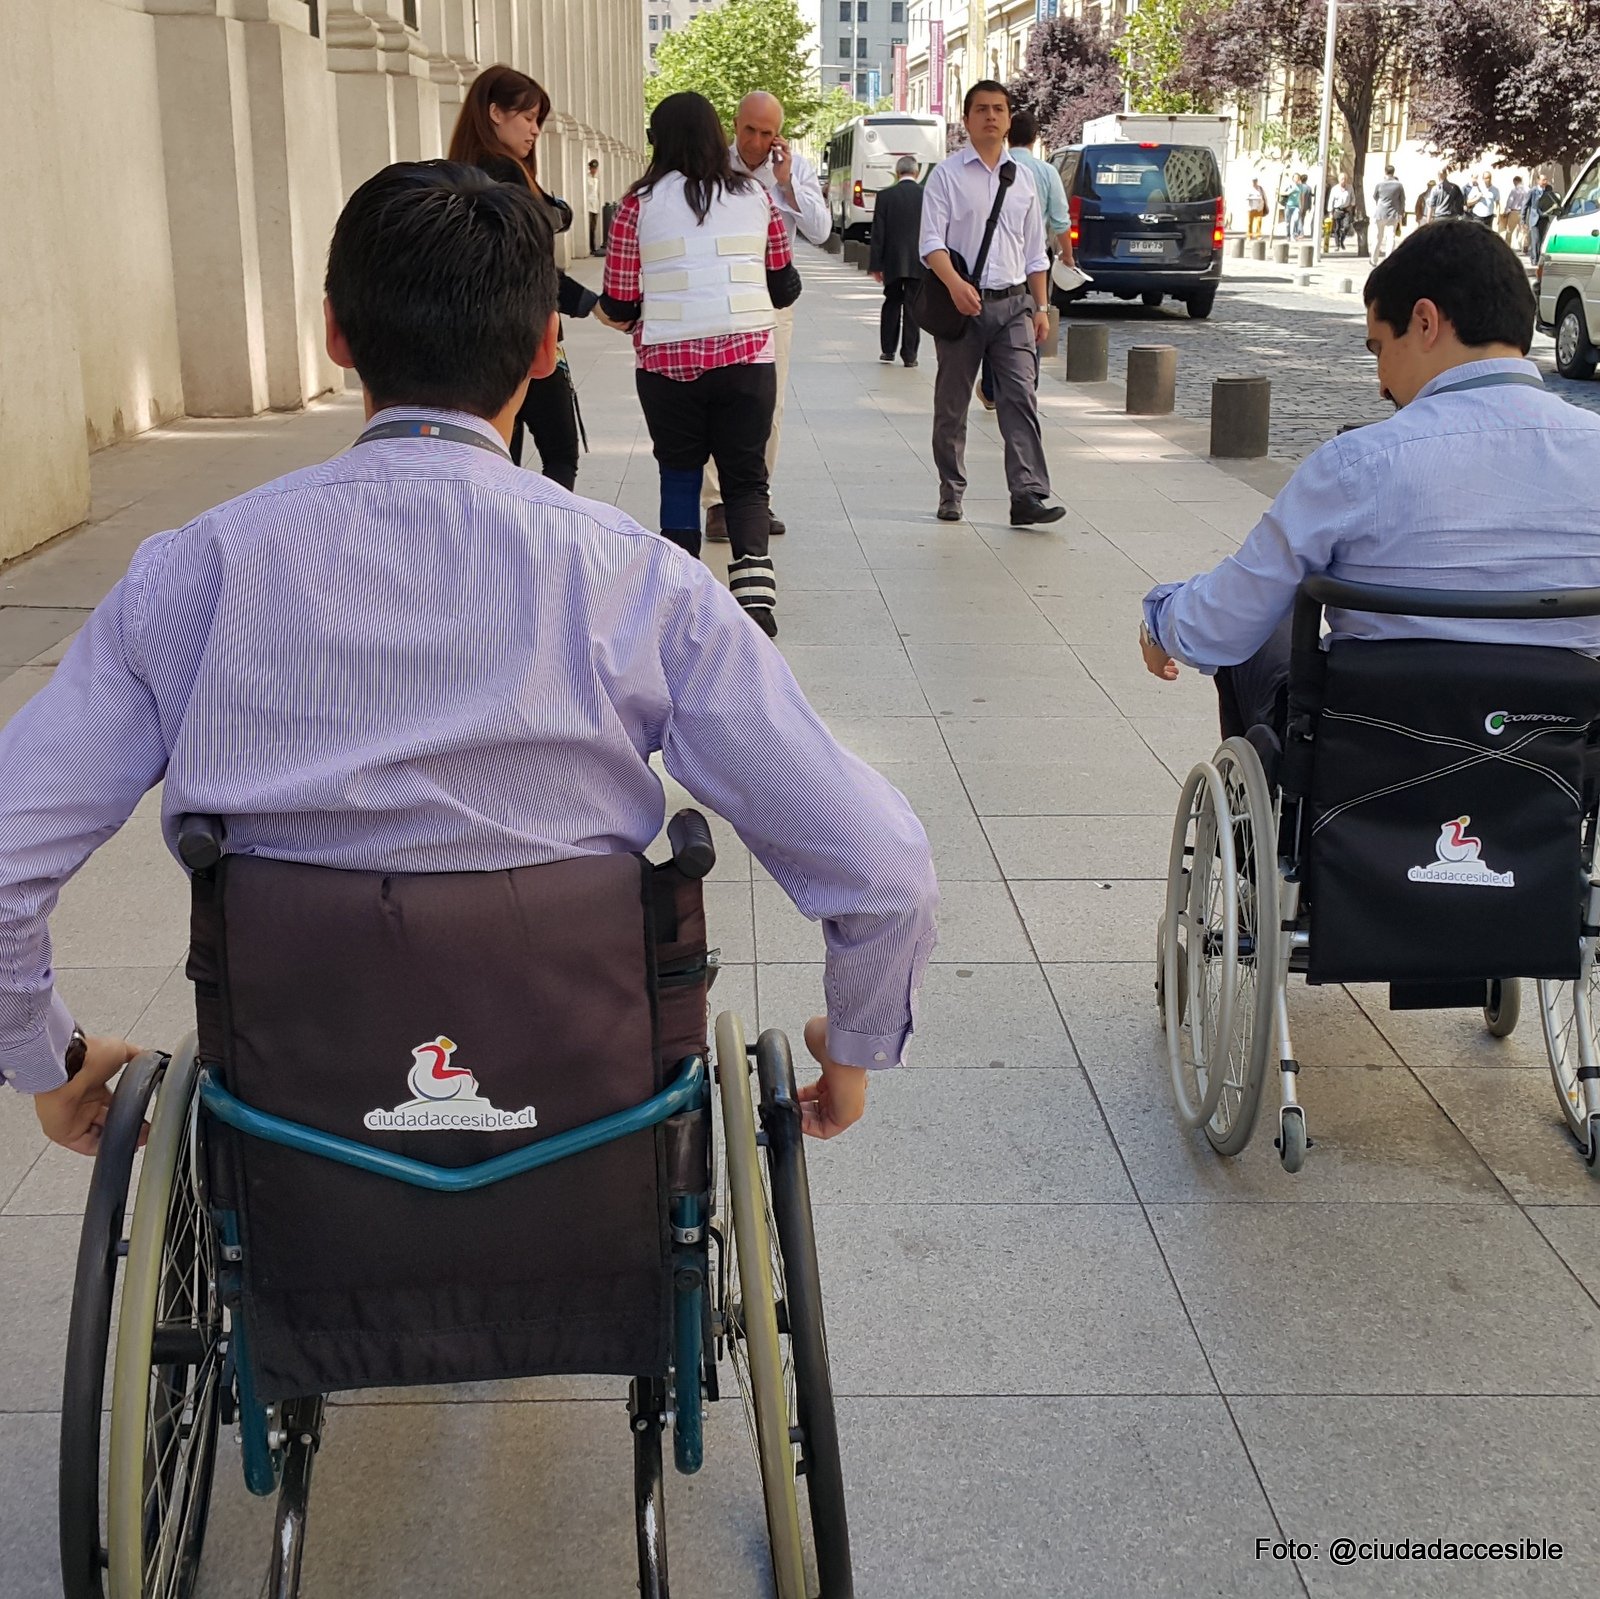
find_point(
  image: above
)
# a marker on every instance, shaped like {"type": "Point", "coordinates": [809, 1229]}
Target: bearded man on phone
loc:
{"type": "Point", "coordinates": [760, 151]}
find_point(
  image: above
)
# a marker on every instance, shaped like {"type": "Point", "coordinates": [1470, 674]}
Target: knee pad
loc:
{"type": "Point", "coordinates": [680, 497]}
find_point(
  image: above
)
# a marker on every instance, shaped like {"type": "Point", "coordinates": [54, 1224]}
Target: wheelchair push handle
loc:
{"type": "Point", "coordinates": [1385, 600]}
{"type": "Point", "coordinates": [200, 842]}
{"type": "Point", "coordinates": [693, 852]}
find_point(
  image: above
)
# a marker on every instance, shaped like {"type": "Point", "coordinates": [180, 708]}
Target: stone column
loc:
{"type": "Point", "coordinates": [452, 63]}
{"type": "Point", "coordinates": [388, 111]}
{"type": "Point", "coordinates": [211, 208]}
{"type": "Point", "coordinates": [44, 455]}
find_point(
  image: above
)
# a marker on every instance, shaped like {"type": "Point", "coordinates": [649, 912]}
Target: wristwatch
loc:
{"type": "Point", "coordinates": [77, 1051]}
{"type": "Point", "coordinates": [1145, 635]}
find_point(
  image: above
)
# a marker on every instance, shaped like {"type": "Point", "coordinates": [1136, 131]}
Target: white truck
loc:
{"type": "Point", "coordinates": [1149, 127]}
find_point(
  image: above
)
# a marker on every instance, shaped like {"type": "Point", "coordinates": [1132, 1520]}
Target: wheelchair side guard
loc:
{"type": "Point", "coordinates": [685, 1093]}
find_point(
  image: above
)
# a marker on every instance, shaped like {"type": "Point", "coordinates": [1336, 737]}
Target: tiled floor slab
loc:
{"type": "Point", "coordinates": [976, 1300]}
{"type": "Point", "coordinates": [1098, 920]}
{"type": "Point", "coordinates": [971, 1499]}
{"type": "Point", "coordinates": [1380, 1299]}
{"type": "Point", "coordinates": [1420, 1470]}
{"type": "Point", "coordinates": [1063, 847]}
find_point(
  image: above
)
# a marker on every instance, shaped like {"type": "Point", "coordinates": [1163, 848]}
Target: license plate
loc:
{"type": "Point", "coordinates": [1147, 247]}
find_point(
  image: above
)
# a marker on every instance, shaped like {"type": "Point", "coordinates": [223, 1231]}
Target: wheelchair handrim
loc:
{"type": "Point", "coordinates": [173, 1139]}
{"type": "Point", "coordinates": [770, 1395]}
{"type": "Point", "coordinates": [1187, 1023]}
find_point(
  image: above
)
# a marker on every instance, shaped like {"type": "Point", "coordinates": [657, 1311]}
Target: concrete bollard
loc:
{"type": "Point", "coordinates": [1280, 252]}
{"type": "Point", "coordinates": [855, 253]}
{"type": "Point", "coordinates": [1088, 352]}
{"type": "Point", "coordinates": [1303, 279]}
{"type": "Point", "coordinates": [1152, 379]}
{"type": "Point", "coordinates": [1236, 249]}
{"type": "Point", "coordinates": [1258, 249]}
{"type": "Point", "coordinates": [1347, 285]}
{"type": "Point", "coordinates": [1052, 339]}
{"type": "Point", "coordinates": [1241, 417]}
{"type": "Point", "coordinates": [1308, 255]}
{"type": "Point", "coordinates": [833, 244]}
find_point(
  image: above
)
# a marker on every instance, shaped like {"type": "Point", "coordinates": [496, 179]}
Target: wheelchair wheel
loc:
{"type": "Point", "coordinates": [802, 1315]}
{"type": "Point", "coordinates": [168, 1375]}
{"type": "Point", "coordinates": [100, 1252]}
{"type": "Point", "coordinates": [751, 1296]}
{"type": "Point", "coordinates": [1569, 1014]}
{"type": "Point", "coordinates": [1253, 823]}
{"type": "Point", "coordinates": [1502, 1006]}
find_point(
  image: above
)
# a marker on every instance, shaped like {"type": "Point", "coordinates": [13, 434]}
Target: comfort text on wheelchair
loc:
{"type": "Point", "coordinates": [445, 1099]}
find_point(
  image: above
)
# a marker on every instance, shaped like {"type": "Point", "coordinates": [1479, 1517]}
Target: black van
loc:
{"type": "Point", "coordinates": [1146, 221]}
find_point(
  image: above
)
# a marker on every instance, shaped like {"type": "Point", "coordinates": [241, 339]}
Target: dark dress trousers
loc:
{"type": "Point", "coordinates": [896, 253]}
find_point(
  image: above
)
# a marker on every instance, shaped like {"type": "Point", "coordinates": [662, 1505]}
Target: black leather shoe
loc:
{"type": "Point", "coordinates": [910, 363]}
{"type": "Point", "coordinates": [887, 359]}
{"type": "Point", "coordinates": [1029, 509]}
{"type": "Point", "coordinates": [950, 511]}
{"type": "Point", "coordinates": [775, 528]}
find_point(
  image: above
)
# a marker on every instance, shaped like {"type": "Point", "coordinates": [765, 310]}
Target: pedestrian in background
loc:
{"type": "Point", "coordinates": [760, 151]}
{"type": "Point", "coordinates": [896, 260]}
{"type": "Point", "coordinates": [1292, 195]}
{"type": "Point", "coordinates": [1425, 201]}
{"type": "Point", "coordinates": [1511, 215]}
{"type": "Point", "coordinates": [1542, 204]}
{"type": "Point", "coordinates": [1483, 200]}
{"type": "Point", "coordinates": [497, 131]}
{"type": "Point", "coordinates": [591, 204]}
{"type": "Point", "coordinates": [1057, 219]}
{"type": "Point", "coordinates": [697, 267]}
{"type": "Point", "coordinates": [1388, 213]}
{"type": "Point", "coordinates": [1256, 207]}
{"type": "Point", "coordinates": [1446, 200]}
{"type": "Point", "coordinates": [1004, 307]}
{"type": "Point", "coordinates": [1340, 203]}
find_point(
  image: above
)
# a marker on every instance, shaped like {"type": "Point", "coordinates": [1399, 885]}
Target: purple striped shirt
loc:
{"type": "Point", "coordinates": [417, 657]}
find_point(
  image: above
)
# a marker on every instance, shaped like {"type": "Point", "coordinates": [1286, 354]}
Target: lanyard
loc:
{"type": "Point", "coordinates": [1492, 380]}
{"type": "Point", "coordinates": [446, 432]}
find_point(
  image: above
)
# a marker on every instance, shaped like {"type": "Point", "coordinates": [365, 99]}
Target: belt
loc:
{"type": "Point", "coordinates": [1005, 294]}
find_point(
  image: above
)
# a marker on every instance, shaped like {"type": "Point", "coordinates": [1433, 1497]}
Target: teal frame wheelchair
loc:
{"type": "Point", "coordinates": [738, 1263]}
{"type": "Point", "coordinates": [1267, 874]}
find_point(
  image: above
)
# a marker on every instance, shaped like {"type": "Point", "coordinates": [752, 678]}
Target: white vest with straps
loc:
{"type": "Point", "coordinates": [699, 279]}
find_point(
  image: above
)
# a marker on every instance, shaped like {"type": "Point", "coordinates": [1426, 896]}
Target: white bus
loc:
{"type": "Point", "coordinates": [859, 160]}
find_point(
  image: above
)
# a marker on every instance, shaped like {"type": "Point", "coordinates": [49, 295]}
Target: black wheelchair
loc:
{"type": "Point", "coordinates": [336, 1194]}
{"type": "Point", "coordinates": [1426, 820]}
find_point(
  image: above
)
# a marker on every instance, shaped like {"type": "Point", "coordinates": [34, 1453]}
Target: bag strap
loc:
{"type": "Point", "coordinates": [1006, 175]}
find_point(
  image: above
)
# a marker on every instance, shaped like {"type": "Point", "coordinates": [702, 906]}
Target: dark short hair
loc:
{"type": "Point", "coordinates": [442, 281]}
{"type": "Point", "coordinates": [984, 86]}
{"type": "Point", "coordinates": [1388, 172]}
{"type": "Point", "coordinates": [1024, 128]}
{"type": "Point", "coordinates": [1469, 272]}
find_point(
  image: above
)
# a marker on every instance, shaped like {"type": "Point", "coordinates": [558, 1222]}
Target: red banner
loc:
{"type": "Point", "coordinates": [899, 54]}
{"type": "Point", "coordinates": [936, 66]}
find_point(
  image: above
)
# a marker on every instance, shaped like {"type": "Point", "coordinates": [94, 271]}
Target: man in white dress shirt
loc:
{"type": "Point", "coordinates": [1006, 309]}
{"type": "Point", "coordinates": [760, 150]}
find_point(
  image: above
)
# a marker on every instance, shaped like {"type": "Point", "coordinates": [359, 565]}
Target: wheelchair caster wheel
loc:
{"type": "Point", "coordinates": [1502, 1006]}
{"type": "Point", "coordinates": [1291, 1141]}
{"type": "Point", "coordinates": [1591, 1146]}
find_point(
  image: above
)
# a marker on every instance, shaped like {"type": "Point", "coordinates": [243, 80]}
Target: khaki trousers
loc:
{"type": "Point", "coordinates": [782, 338]}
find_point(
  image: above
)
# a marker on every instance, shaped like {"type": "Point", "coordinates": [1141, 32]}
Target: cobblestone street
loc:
{"type": "Point", "coordinates": [1309, 342]}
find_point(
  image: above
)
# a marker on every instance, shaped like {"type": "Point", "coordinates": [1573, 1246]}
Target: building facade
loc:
{"type": "Point", "coordinates": [661, 17]}
{"type": "Point", "coordinates": [856, 41]}
{"type": "Point", "coordinates": [170, 262]}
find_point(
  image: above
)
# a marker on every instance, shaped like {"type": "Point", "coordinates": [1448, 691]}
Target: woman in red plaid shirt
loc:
{"type": "Point", "coordinates": [697, 260]}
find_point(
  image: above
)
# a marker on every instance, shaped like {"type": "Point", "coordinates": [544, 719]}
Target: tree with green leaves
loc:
{"type": "Point", "coordinates": [838, 106]}
{"type": "Point", "coordinates": [728, 53]}
{"type": "Point", "coordinates": [1150, 53]}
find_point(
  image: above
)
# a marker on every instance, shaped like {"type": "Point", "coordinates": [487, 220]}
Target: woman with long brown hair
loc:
{"type": "Point", "coordinates": [498, 132]}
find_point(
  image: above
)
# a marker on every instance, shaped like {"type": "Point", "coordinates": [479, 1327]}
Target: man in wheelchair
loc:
{"type": "Point", "coordinates": [1482, 480]}
{"type": "Point", "coordinates": [1412, 800]}
{"type": "Point", "coordinates": [418, 658]}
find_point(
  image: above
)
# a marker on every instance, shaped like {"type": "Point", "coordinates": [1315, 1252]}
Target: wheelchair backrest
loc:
{"type": "Point", "coordinates": [1444, 838]}
{"type": "Point", "coordinates": [449, 1018]}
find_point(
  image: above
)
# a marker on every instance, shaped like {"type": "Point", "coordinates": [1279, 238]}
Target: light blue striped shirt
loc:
{"type": "Point", "coordinates": [417, 657]}
{"type": "Point", "coordinates": [1481, 488]}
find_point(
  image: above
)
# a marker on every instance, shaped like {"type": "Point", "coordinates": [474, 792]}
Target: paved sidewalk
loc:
{"type": "Point", "coordinates": [1076, 1352]}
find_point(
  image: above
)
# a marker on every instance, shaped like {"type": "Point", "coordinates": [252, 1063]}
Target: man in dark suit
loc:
{"type": "Point", "coordinates": [896, 259]}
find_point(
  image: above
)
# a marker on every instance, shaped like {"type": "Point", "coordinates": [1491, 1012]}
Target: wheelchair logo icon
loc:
{"type": "Point", "coordinates": [445, 1098]}
{"type": "Point", "coordinates": [1458, 860]}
